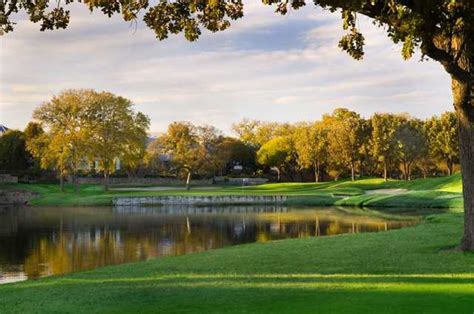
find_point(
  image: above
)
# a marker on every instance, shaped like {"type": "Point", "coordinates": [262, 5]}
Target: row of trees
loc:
{"type": "Point", "coordinates": [340, 144]}
{"type": "Point", "coordinates": [83, 130]}
{"type": "Point", "coordinates": [187, 150]}
{"type": "Point", "coordinates": [344, 143]}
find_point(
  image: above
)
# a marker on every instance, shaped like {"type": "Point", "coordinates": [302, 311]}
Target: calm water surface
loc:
{"type": "Point", "coordinates": [36, 242]}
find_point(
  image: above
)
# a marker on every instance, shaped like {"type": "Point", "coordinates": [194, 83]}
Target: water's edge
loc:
{"type": "Point", "coordinates": [194, 200]}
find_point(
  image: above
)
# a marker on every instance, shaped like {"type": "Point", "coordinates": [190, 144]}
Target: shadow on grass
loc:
{"type": "Point", "coordinates": [218, 293]}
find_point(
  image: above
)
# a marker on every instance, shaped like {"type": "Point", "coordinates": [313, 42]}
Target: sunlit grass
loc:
{"type": "Point", "coordinates": [415, 282]}
{"type": "Point", "coordinates": [410, 270]}
{"type": "Point", "coordinates": [442, 192]}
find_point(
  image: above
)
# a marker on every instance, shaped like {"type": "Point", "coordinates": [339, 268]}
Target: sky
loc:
{"type": "Point", "coordinates": [265, 66]}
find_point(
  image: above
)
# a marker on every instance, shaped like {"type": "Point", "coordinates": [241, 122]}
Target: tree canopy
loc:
{"type": "Point", "coordinates": [65, 141]}
{"type": "Point", "coordinates": [440, 28]}
{"type": "Point", "coordinates": [412, 144]}
{"type": "Point", "coordinates": [13, 154]}
{"type": "Point", "coordinates": [443, 138]}
{"type": "Point", "coordinates": [115, 132]}
{"type": "Point", "coordinates": [345, 127]}
{"type": "Point", "coordinates": [311, 147]}
{"type": "Point", "coordinates": [181, 144]}
{"type": "Point", "coordinates": [383, 139]}
{"type": "Point", "coordinates": [276, 154]}
{"type": "Point", "coordinates": [84, 127]}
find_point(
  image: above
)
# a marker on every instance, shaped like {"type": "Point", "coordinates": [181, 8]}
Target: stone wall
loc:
{"type": "Point", "coordinates": [6, 178]}
{"type": "Point", "coordinates": [168, 181]}
{"type": "Point", "coordinates": [15, 197]}
{"type": "Point", "coordinates": [186, 209]}
{"type": "Point", "coordinates": [198, 200]}
{"type": "Point", "coordinates": [240, 181]}
{"type": "Point", "coordinates": [157, 181]}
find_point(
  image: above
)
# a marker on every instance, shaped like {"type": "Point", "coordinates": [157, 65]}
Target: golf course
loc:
{"type": "Point", "coordinates": [441, 192]}
{"type": "Point", "coordinates": [237, 156]}
{"type": "Point", "coordinates": [414, 269]}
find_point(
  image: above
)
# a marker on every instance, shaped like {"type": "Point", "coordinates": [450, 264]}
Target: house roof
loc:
{"type": "Point", "coordinates": [3, 128]}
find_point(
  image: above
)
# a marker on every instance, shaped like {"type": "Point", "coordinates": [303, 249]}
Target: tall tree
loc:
{"type": "Point", "coordinates": [65, 141]}
{"type": "Point", "coordinates": [367, 163]}
{"type": "Point", "coordinates": [441, 29]}
{"type": "Point", "coordinates": [412, 144]}
{"type": "Point", "coordinates": [133, 157]}
{"type": "Point", "coordinates": [209, 138]}
{"type": "Point", "coordinates": [311, 142]}
{"type": "Point", "coordinates": [384, 140]}
{"type": "Point", "coordinates": [181, 143]}
{"type": "Point", "coordinates": [14, 158]}
{"type": "Point", "coordinates": [345, 129]}
{"type": "Point", "coordinates": [443, 138]}
{"type": "Point", "coordinates": [232, 152]}
{"type": "Point", "coordinates": [276, 154]}
{"type": "Point", "coordinates": [33, 131]}
{"type": "Point", "coordinates": [115, 132]}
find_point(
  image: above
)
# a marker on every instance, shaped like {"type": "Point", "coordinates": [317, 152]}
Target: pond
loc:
{"type": "Point", "coordinates": [40, 241]}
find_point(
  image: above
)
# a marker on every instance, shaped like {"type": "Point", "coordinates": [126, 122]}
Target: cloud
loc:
{"type": "Point", "coordinates": [265, 66]}
{"type": "Point", "coordinates": [285, 100]}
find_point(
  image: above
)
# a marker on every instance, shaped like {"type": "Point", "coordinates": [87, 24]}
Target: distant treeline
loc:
{"type": "Point", "coordinates": [86, 133]}
{"type": "Point", "coordinates": [341, 144]}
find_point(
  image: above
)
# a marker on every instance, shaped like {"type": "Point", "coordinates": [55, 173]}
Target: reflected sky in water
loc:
{"type": "Point", "coordinates": [36, 242]}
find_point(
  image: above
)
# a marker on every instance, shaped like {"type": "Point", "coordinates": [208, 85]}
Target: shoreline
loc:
{"type": "Point", "coordinates": [440, 192]}
{"type": "Point", "coordinates": [299, 274]}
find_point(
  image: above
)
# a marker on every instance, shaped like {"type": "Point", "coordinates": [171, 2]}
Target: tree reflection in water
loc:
{"type": "Point", "coordinates": [36, 242]}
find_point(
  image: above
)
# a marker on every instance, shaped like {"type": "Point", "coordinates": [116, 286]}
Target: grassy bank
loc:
{"type": "Point", "coordinates": [412, 270]}
{"type": "Point", "coordinates": [442, 192]}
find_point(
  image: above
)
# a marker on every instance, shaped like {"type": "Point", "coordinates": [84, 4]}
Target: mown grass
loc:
{"type": "Point", "coordinates": [443, 192]}
{"type": "Point", "coordinates": [412, 270]}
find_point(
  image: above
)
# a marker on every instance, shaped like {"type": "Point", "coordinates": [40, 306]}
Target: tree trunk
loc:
{"type": "Point", "coordinates": [188, 181]}
{"type": "Point", "coordinates": [316, 172]}
{"type": "Point", "coordinates": [106, 181]}
{"type": "Point", "coordinates": [385, 171]}
{"type": "Point", "coordinates": [449, 164]}
{"type": "Point", "coordinates": [76, 183]}
{"type": "Point", "coordinates": [353, 171]}
{"type": "Point", "coordinates": [278, 175]}
{"type": "Point", "coordinates": [425, 173]}
{"type": "Point", "coordinates": [463, 94]}
{"type": "Point", "coordinates": [406, 170]}
{"type": "Point", "coordinates": [61, 182]}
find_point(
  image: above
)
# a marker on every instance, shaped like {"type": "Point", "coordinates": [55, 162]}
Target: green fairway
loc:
{"type": "Point", "coordinates": [412, 270]}
{"type": "Point", "coordinates": [443, 192]}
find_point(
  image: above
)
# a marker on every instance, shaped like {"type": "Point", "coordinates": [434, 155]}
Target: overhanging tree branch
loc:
{"type": "Point", "coordinates": [429, 48]}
